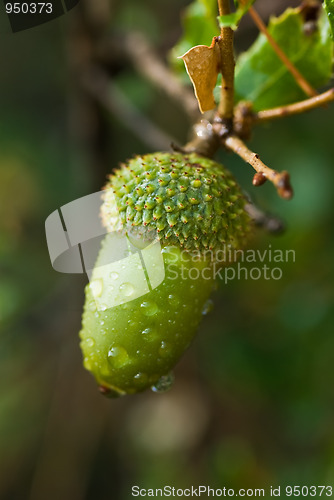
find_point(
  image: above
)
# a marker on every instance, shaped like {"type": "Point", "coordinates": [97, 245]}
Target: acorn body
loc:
{"type": "Point", "coordinates": [129, 347]}
{"type": "Point", "coordinates": [194, 209]}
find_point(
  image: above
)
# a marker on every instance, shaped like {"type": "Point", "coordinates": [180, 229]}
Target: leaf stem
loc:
{"type": "Point", "coordinates": [300, 80]}
{"type": "Point", "coordinates": [227, 65]}
{"type": "Point", "coordinates": [295, 108]}
{"type": "Point", "coordinates": [281, 180]}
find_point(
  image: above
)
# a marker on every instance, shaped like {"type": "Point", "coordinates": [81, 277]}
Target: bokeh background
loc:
{"type": "Point", "coordinates": [253, 402]}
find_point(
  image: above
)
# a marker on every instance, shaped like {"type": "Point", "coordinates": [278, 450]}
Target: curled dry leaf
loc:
{"type": "Point", "coordinates": [202, 65]}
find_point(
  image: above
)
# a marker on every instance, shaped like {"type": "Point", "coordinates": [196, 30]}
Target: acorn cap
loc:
{"type": "Point", "coordinates": [183, 199]}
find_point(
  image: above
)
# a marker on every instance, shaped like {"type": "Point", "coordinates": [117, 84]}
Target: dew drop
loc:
{"type": "Point", "coordinates": [149, 333]}
{"type": "Point", "coordinates": [89, 342]}
{"type": "Point", "coordinates": [87, 364]}
{"type": "Point", "coordinates": [96, 287]}
{"type": "Point", "coordinates": [114, 276]}
{"type": "Point", "coordinates": [173, 300]}
{"type": "Point", "coordinates": [91, 306]}
{"type": "Point", "coordinates": [103, 307]}
{"type": "Point", "coordinates": [208, 306]}
{"type": "Point", "coordinates": [165, 349]}
{"type": "Point", "coordinates": [141, 378]}
{"type": "Point", "coordinates": [118, 356]}
{"type": "Point", "coordinates": [164, 383]}
{"type": "Point", "coordinates": [127, 289]}
{"type": "Point", "coordinates": [149, 308]}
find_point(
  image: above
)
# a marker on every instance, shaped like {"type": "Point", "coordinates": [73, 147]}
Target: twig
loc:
{"type": "Point", "coordinates": [295, 108]}
{"type": "Point", "coordinates": [269, 222]}
{"type": "Point", "coordinates": [99, 85]}
{"type": "Point", "coordinates": [300, 80]}
{"type": "Point", "coordinates": [227, 65]}
{"type": "Point", "coordinates": [136, 48]}
{"type": "Point", "coordinates": [281, 180]}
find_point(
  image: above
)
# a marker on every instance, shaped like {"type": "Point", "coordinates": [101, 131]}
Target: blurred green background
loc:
{"type": "Point", "coordinates": [253, 402]}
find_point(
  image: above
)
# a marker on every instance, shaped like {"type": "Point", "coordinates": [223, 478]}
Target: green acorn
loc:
{"type": "Point", "coordinates": [180, 211]}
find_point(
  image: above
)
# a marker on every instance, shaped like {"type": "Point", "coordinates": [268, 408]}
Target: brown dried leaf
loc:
{"type": "Point", "coordinates": [202, 65]}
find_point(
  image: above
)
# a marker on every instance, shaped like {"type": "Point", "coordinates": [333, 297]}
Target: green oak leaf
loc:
{"type": "Point", "coordinates": [199, 27]}
{"type": "Point", "coordinates": [262, 78]}
{"type": "Point", "coordinates": [329, 8]}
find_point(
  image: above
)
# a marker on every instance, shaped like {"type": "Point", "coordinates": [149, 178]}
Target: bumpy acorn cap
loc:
{"type": "Point", "coordinates": [186, 200]}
